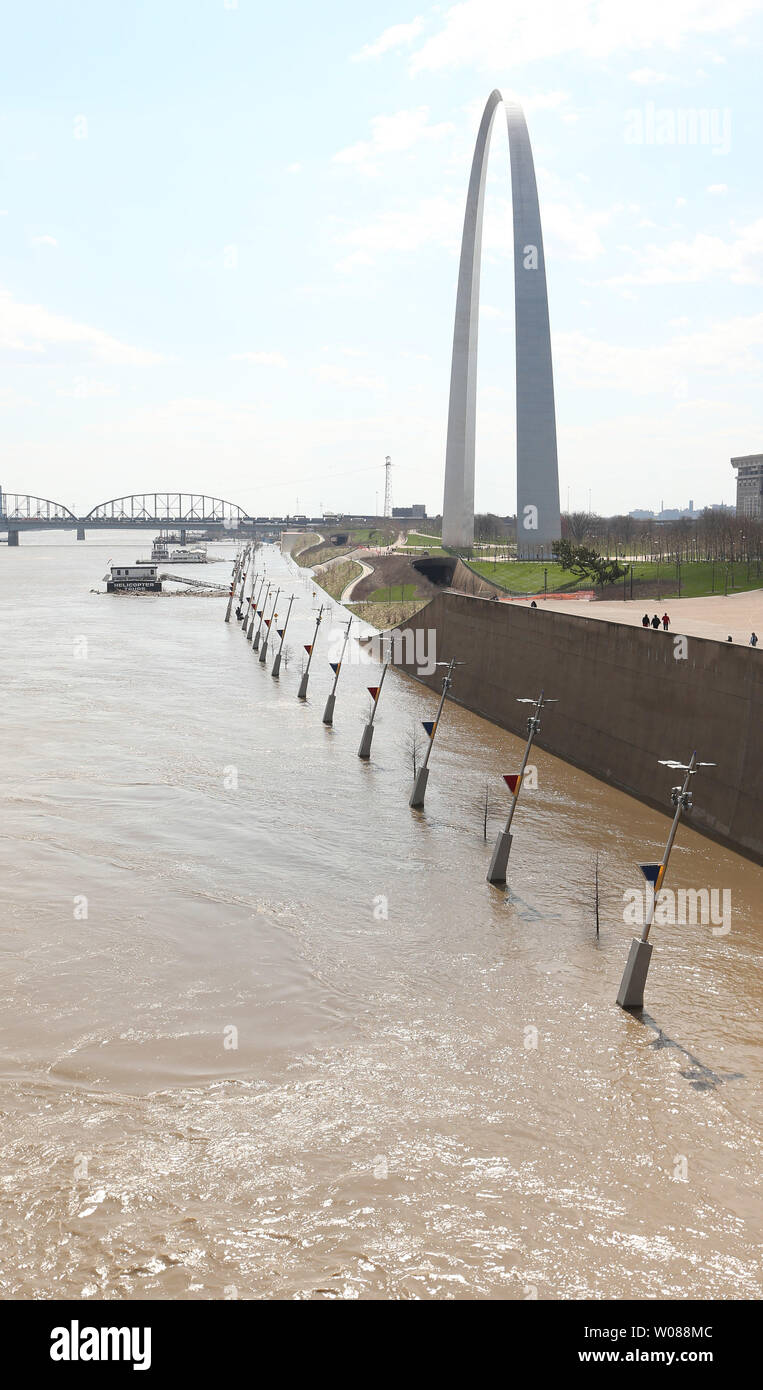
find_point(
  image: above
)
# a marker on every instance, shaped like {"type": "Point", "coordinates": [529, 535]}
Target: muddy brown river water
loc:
{"type": "Point", "coordinates": [266, 1032]}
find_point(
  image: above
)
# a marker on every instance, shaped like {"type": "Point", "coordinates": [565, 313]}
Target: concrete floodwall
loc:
{"type": "Point", "coordinates": [469, 581]}
{"type": "Point", "coordinates": [624, 702]}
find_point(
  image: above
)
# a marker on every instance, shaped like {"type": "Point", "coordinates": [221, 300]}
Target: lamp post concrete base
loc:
{"type": "Point", "coordinates": [264, 652]}
{"type": "Point", "coordinates": [419, 787]}
{"type": "Point", "coordinates": [276, 666]}
{"type": "Point", "coordinates": [328, 713]}
{"type": "Point", "coordinates": [631, 995]}
{"type": "Point", "coordinates": [364, 750]}
{"type": "Point", "coordinates": [499, 862]}
{"type": "Point", "coordinates": [302, 692]}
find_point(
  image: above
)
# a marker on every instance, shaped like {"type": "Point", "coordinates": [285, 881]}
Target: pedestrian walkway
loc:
{"type": "Point", "coordinates": [717, 617]}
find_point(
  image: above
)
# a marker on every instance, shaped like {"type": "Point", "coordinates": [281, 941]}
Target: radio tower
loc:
{"type": "Point", "coordinates": [387, 486]}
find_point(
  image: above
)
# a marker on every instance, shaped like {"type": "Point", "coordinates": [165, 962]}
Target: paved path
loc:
{"type": "Point", "coordinates": [347, 590]}
{"type": "Point", "coordinates": [717, 617]}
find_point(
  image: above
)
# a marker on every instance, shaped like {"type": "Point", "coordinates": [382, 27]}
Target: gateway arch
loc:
{"type": "Point", "coordinates": [538, 521]}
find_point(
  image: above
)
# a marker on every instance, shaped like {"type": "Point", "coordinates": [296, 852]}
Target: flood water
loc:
{"type": "Point", "coordinates": [190, 860]}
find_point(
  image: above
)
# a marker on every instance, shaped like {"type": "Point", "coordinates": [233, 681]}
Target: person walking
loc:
{"type": "Point", "coordinates": [645, 620]}
{"type": "Point", "coordinates": [655, 622]}
{"type": "Point", "coordinates": [754, 639]}
{"type": "Point", "coordinates": [665, 622]}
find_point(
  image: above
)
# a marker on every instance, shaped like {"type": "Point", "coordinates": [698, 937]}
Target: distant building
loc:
{"type": "Point", "coordinates": [749, 470]}
{"type": "Point", "coordinates": [417, 510]}
{"type": "Point", "coordinates": [666, 513]}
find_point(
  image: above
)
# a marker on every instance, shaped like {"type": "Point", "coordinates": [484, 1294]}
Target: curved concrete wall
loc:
{"type": "Point", "coordinates": [624, 702]}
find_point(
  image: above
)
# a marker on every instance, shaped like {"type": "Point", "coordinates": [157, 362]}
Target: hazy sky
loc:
{"type": "Point", "coordinates": [229, 236]}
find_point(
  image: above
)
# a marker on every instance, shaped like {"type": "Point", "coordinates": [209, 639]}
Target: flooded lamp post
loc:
{"type": "Point", "coordinates": [422, 777]}
{"type": "Point", "coordinates": [282, 634]}
{"type": "Point", "coordinates": [328, 713]}
{"type": "Point", "coordinates": [268, 625]}
{"type": "Point", "coordinates": [498, 864]}
{"type": "Point", "coordinates": [631, 993]}
{"type": "Point", "coordinates": [233, 583]}
{"type": "Point", "coordinates": [364, 750]}
{"type": "Point", "coordinates": [243, 584]}
{"type": "Point", "coordinates": [261, 612]}
{"type": "Point", "coordinates": [253, 613]}
{"type": "Point", "coordinates": [248, 605]}
{"type": "Point", "coordinates": [309, 647]}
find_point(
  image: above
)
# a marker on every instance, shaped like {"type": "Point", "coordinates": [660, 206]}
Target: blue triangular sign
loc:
{"type": "Point", "coordinates": [652, 873]}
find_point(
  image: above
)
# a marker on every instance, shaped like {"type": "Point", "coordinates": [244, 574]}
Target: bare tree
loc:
{"type": "Point", "coordinates": [413, 744]}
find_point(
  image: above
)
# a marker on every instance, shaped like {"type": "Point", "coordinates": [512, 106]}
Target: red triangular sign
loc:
{"type": "Point", "coordinates": [512, 780]}
{"type": "Point", "coordinates": [308, 647]}
{"type": "Point", "coordinates": [373, 691]}
{"type": "Point", "coordinates": [267, 622]}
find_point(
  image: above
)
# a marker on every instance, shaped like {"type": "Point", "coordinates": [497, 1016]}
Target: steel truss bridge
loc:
{"type": "Point", "coordinates": [183, 511]}
{"type": "Point", "coordinates": [150, 511]}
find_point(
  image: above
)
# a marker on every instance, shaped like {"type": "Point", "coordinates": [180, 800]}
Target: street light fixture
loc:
{"type": "Point", "coordinates": [631, 995]}
{"type": "Point", "coordinates": [497, 871]}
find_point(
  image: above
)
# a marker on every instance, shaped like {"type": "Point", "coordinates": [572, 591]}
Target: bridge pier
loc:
{"type": "Point", "coordinates": [182, 535]}
{"type": "Point", "coordinates": [80, 533]}
{"type": "Point", "coordinates": [13, 537]}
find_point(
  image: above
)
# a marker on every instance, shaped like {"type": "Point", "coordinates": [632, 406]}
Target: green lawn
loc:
{"type": "Point", "coordinates": [426, 542]}
{"type": "Point", "coordinates": [524, 576]}
{"type": "Point", "coordinates": [366, 536]}
{"type": "Point", "coordinates": [393, 593]}
{"type": "Point", "coordinates": [698, 578]}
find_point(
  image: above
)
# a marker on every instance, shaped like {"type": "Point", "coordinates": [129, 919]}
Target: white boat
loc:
{"type": "Point", "coordinates": [184, 556]}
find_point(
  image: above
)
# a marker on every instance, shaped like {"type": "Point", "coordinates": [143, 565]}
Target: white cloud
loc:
{"type": "Point", "coordinates": [260, 359]}
{"type": "Point", "coordinates": [295, 168]}
{"type": "Point", "coordinates": [433, 222]}
{"type": "Point", "coordinates": [543, 101]}
{"type": "Point", "coordinates": [648, 77]}
{"type": "Point", "coordinates": [688, 262]}
{"type": "Point", "coordinates": [392, 135]}
{"type": "Point", "coordinates": [44, 241]}
{"type": "Point", "coordinates": [491, 34]}
{"type": "Point", "coordinates": [732, 348]}
{"type": "Point", "coordinates": [345, 378]}
{"type": "Point", "coordinates": [28, 331]}
{"type": "Point", "coordinates": [718, 189]}
{"type": "Point", "coordinates": [85, 388]}
{"type": "Point", "coordinates": [396, 36]}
